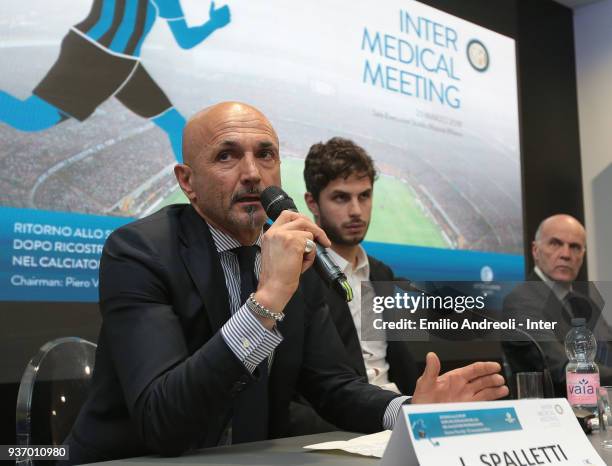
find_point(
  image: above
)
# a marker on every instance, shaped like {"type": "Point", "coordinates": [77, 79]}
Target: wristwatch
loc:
{"type": "Point", "coordinates": [258, 309]}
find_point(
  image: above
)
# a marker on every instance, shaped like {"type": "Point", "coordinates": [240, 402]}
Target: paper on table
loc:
{"type": "Point", "coordinates": [366, 445]}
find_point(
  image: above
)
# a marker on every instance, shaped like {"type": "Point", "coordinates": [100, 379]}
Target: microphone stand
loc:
{"type": "Point", "coordinates": [547, 384]}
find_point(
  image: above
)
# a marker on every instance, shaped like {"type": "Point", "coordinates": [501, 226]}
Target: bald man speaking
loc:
{"type": "Point", "coordinates": [206, 332]}
{"type": "Point", "coordinates": [552, 295]}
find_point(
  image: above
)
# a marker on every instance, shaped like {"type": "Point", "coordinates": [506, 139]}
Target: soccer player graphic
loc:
{"type": "Point", "coordinates": [100, 58]}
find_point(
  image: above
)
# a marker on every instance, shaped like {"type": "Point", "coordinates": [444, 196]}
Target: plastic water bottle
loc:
{"type": "Point", "coordinates": [581, 373]}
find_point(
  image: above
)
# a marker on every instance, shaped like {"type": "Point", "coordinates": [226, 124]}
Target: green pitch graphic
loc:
{"type": "Point", "coordinates": [398, 216]}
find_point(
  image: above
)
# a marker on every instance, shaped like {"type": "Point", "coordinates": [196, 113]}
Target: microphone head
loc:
{"type": "Point", "coordinates": [274, 200]}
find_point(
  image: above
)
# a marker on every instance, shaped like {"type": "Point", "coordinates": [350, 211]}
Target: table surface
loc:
{"type": "Point", "coordinates": [285, 451]}
{"type": "Point", "coordinates": [289, 451]}
{"type": "Point", "coordinates": [596, 439]}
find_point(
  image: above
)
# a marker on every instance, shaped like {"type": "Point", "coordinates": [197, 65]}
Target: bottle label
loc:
{"type": "Point", "coordinates": [582, 388]}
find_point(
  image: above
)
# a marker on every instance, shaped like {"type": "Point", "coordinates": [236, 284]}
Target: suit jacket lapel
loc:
{"type": "Point", "coordinates": [541, 289]}
{"type": "Point", "coordinates": [551, 308]}
{"type": "Point", "coordinates": [202, 261]}
{"type": "Point", "coordinates": [341, 315]}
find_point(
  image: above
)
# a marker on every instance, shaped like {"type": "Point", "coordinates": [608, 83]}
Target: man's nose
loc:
{"type": "Point", "coordinates": [354, 208]}
{"type": "Point", "coordinates": [566, 252]}
{"type": "Point", "coordinates": [249, 169]}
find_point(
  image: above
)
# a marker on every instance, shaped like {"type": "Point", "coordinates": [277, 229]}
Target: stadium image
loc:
{"type": "Point", "coordinates": [417, 226]}
{"type": "Point", "coordinates": [444, 189]}
{"type": "Point", "coordinates": [118, 164]}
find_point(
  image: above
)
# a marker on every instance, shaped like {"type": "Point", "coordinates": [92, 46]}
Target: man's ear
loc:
{"type": "Point", "coordinates": [312, 204]}
{"type": "Point", "coordinates": [534, 249]}
{"type": "Point", "coordinates": [182, 173]}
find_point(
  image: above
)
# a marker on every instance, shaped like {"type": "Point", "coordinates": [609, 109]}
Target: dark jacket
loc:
{"type": "Point", "coordinates": [535, 300]}
{"type": "Point", "coordinates": [402, 368]}
{"type": "Point", "coordinates": [165, 380]}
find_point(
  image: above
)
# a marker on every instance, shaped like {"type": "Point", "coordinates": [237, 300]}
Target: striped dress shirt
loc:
{"type": "Point", "coordinates": [250, 341]}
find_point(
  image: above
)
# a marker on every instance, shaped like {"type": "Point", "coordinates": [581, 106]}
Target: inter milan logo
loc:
{"type": "Point", "coordinates": [478, 55]}
{"type": "Point", "coordinates": [486, 274]}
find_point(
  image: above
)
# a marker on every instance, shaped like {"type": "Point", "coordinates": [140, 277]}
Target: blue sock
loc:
{"type": "Point", "coordinates": [31, 114]}
{"type": "Point", "coordinates": [172, 122]}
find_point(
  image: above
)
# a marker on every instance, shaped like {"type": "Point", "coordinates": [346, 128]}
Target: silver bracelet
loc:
{"type": "Point", "coordinates": [258, 309]}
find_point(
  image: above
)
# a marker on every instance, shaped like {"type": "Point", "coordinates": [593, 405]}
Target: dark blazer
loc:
{"type": "Point", "coordinates": [165, 380]}
{"type": "Point", "coordinates": [402, 368]}
{"type": "Point", "coordinates": [535, 300]}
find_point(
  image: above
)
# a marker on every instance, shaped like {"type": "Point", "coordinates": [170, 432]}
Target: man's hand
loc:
{"type": "Point", "coordinates": [219, 17]}
{"type": "Point", "coordinates": [477, 382]}
{"type": "Point", "coordinates": [283, 259]}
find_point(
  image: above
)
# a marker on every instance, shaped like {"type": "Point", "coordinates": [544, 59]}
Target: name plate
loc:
{"type": "Point", "coordinates": [496, 433]}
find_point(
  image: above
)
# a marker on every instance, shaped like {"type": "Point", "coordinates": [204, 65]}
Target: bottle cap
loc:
{"type": "Point", "coordinates": [578, 322]}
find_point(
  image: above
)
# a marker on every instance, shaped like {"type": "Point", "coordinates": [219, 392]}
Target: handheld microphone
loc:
{"type": "Point", "coordinates": [274, 200]}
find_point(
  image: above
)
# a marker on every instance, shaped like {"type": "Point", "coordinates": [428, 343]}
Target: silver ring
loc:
{"type": "Point", "coordinates": [309, 246]}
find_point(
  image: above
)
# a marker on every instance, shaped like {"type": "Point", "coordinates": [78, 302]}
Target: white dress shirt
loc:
{"type": "Point", "coordinates": [559, 290]}
{"type": "Point", "coordinates": [374, 352]}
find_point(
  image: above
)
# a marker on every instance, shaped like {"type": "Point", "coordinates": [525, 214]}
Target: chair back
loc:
{"type": "Point", "coordinates": [53, 387]}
